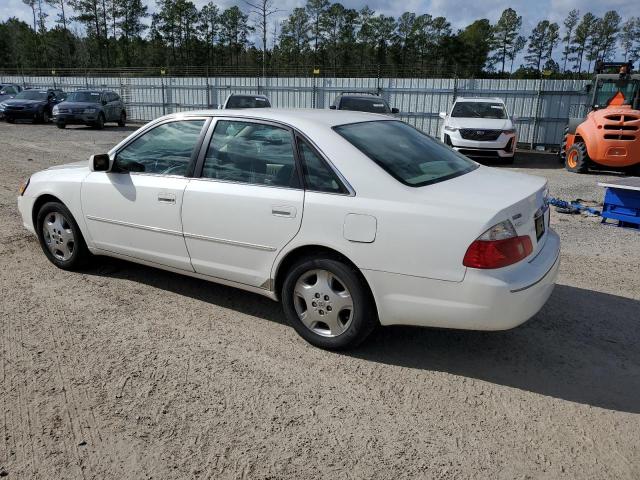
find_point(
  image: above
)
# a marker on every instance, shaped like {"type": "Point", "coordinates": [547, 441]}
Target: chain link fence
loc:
{"type": "Point", "coordinates": [541, 106]}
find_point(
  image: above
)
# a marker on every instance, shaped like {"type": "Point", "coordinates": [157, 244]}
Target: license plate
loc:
{"type": "Point", "coordinates": [539, 226]}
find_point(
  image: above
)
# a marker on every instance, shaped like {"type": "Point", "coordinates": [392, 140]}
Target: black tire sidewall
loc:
{"type": "Point", "coordinates": [100, 122]}
{"type": "Point", "coordinates": [122, 121]}
{"type": "Point", "coordinates": [583, 161]}
{"type": "Point", "coordinates": [79, 255]}
{"type": "Point", "coordinates": [364, 314]}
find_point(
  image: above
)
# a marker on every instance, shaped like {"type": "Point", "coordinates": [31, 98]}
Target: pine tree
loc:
{"type": "Point", "coordinates": [581, 38]}
{"type": "Point", "coordinates": [505, 33]}
{"type": "Point", "coordinates": [543, 39]}
{"type": "Point", "coordinates": [569, 26]}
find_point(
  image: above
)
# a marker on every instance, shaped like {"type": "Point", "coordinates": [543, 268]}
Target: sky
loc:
{"type": "Point", "coordinates": [458, 12]}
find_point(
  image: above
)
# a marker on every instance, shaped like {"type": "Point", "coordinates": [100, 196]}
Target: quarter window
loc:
{"type": "Point", "coordinates": [164, 150]}
{"type": "Point", "coordinates": [250, 152]}
{"type": "Point", "coordinates": [317, 174]}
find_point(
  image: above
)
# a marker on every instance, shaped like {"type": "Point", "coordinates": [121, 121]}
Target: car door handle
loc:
{"type": "Point", "coordinates": [166, 198]}
{"type": "Point", "coordinates": [283, 211]}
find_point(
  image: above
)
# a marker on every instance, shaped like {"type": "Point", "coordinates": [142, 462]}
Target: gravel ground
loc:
{"type": "Point", "coordinates": [125, 371]}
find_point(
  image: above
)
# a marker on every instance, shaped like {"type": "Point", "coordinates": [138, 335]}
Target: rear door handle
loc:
{"type": "Point", "coordinates": [283, 211]}
{"type": "Point", "coordinates": [166, 197]}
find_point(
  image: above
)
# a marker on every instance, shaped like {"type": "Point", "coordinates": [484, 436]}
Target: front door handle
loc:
{"type": "Point", "coordinates": [166, 198]}
{"type": "Point", "coordinates": [283, 211]}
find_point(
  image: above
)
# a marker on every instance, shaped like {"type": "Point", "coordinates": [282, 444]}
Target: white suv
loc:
{"type": "Point", "coordinates": [480, 127]}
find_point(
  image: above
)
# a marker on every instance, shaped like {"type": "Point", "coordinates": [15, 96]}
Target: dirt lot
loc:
{"type": "Point", "coordinates": [129, 372]}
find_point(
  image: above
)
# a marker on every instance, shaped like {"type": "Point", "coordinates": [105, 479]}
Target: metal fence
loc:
{"type": "Point", "coordinates": [542, 106]}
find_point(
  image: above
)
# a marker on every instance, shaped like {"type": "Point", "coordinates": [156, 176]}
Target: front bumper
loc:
{"type": "Point", "coordinates": [503, 146]}
{"type": "Point", "coordinates": [21, 114]}
{"type": "Point", "coordinates": [75, 118]}
{"type": "Point", "coordinates": [25, 207]}
{"type": "Point", "coordinates": [485, 300]}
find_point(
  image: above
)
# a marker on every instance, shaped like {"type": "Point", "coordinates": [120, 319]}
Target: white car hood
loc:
{"type": "Point", "coordinates": [480, 123]}
{"type": "Point", "coordinates": [66, 166]}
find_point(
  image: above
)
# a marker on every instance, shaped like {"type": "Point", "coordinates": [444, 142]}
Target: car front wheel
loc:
{"type": "Point", "coordinates": [327, 303]}
{"type": "Point", "coordinates": [60, 237]}
{"type": "Point", "coordinates": [123, 119]}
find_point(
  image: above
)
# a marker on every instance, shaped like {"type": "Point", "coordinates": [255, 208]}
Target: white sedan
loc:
{"type": "Point", "coordinates": [350, 219]}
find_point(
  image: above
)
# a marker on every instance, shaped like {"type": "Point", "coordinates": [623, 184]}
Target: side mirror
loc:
{"type": "Point", "coordinates": [395, 110]}
{"type": "Point", "coordinates": [332, 107]}
{"type": "Point", "coordinates": [442, 115]}
{"type": "Point", "coordinates": [100, 162]}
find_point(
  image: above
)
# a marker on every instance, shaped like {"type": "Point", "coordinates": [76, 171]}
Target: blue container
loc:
{"type": "Point", "coordinates": [622, 205]}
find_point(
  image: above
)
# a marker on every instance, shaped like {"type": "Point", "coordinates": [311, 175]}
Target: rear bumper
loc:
{"type": "Point", "coordinates": [485, 300]}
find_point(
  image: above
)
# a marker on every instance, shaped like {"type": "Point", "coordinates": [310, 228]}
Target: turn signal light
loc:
{"type": "Point", "coordinates": [23, 186]}
{"type": "Point", "coordinates": [498, 247]}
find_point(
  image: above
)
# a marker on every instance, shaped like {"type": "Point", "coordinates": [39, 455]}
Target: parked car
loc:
{"type": "Point", "coordinates": [480, 127]}
{"type": "Point", "coordinates": [90, 107]}
{"type": "Point", "coordinates": [362, 102]}
{"type": "Point", "coordinates": [32, 104]}
{"type": "Point", "coordinates": [246, 101]}
{"type": "Point", "coordinates": [397, 227]}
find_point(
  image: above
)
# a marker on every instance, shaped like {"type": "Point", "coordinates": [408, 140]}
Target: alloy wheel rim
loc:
{"type": "Point", "coordinates": [58, 236]}
{"type": "Point", "coordinates": [323, 303]}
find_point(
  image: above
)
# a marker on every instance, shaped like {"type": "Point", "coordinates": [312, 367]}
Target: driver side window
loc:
{"type": "Point", "coordinates": [163, 150]}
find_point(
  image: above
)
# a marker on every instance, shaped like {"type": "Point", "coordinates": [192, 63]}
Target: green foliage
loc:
{"type": "Point", "coordinates": [114, 33]}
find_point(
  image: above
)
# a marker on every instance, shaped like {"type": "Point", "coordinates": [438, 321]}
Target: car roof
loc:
{"type": "Point", "coordinates": [247, 95]}
{"type": "Point", "coordinates": [302, 117]}
{"type": "Point", "coordinates": [479, 99]}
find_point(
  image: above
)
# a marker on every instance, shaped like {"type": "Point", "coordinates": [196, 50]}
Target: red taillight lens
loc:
{"type": "Point", "coordinates": [497, 253]}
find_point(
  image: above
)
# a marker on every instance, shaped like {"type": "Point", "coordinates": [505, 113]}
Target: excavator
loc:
{"type": "Point", "coordinates": [609, 136]}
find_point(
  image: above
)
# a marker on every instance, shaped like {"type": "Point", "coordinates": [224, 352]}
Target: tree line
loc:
{"type": "Point", "coordinates": [124, 33]}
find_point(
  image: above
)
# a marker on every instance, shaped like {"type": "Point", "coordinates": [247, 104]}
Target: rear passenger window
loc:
{"type": "Point", "coordinates": [317, 174]}
{"type": "Point", "coordinates": [253, 153]}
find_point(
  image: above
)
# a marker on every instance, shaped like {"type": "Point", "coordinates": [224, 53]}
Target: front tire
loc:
{"type": "Point", "coordinates": [328, 303]}
{"type": "Point", "coordinates": [60, 237]}
{"type": "Point", "coordinates": [123, 119]}
{"type": "Point", "coordinates": [100, 122]}
{"type": "Point", "coordinates": [577, 159]}
{"type": "Point", "coordinates": [44, 117]}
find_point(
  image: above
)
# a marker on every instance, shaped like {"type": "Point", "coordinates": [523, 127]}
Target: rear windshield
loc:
{"type": "Point", "coordinates": [89, 97]}
{"type": "Point", "coordinates": [32, 95]}
{"type": "Point", "coordinates": [359, 104]}
{"type": "Point", "coordinates": [247, 101]}
{"type": "Point", "coordinates": [478, 110]}
{"type": "Point", "coordinates": [409, 155]}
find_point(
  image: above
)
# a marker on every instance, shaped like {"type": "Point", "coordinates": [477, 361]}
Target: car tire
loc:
{"type": "Point", "coordinates": [100, 122]}
{"type": "Point", "coordinates": [577, 159]}
{"type": "Point", "coordinates": [60, 237]}
{"type": "Point", "coordinates": [122, 121]}
{"type": "Point", "coordinates": [328, 303]}
{"type": "Point", "coordinates": [10, 120]}
{"type": "Point", "coordinates": [44, 117]}
{"type": "Point", "coordinates": [562, 153]}
{"type": "Point", "coordinates": [61, 125]}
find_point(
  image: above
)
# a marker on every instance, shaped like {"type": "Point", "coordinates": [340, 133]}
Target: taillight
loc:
{"type": "Point", "coordinates": [498, 247]}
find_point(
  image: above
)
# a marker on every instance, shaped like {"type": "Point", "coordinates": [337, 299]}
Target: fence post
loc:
{"type": "Point", "coordinates": [378, 88]}
{"type": "Point", "coordinates": [313, 95]}
{"type": "Point", "coordinates": [164, 105]}
{"type": "Point", "coordinates": [206, 72]}
{"type": "Point", "coordinates": [455, 87]}
{"type": "Point", "coordinates": [536, 114]}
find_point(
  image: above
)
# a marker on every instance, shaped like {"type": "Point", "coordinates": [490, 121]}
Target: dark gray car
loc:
{"type": "Point", "coordinates": [362, 102]}
{"type": "Point", "coordinates": [90, 107]}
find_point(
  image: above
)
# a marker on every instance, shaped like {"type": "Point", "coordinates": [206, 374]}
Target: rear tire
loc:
{"type": "Point", "coordinates": [123, 120]}
{"type": "Point", "coordinates": [60, 237]}
{"type": "Point", "coordinates": [562, 153]}
{"type": "Point", "coordinates": [577, 159]}
{"type": "Point", "coordinates": [328, 303]}
{"type": "Point", "coordinates": [44, 118]}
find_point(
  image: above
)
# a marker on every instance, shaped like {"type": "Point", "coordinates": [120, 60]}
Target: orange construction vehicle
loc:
{"type": "Point", "coordinates": [610, 134]}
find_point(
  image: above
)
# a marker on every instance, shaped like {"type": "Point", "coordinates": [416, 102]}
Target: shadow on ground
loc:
{"type": "Point", "coordinates": [583, 346]}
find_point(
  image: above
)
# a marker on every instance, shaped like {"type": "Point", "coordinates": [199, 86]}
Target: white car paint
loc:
{"type": "Point", "coordinates": [499, 147]}
{"type": "Point", "coordinates": [408, 242]}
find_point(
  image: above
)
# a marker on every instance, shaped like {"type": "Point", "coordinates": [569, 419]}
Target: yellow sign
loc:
{"type": "Point", "coordinates": [53, 72]}
{"type": "Point", "coordinates": [316, 71]}
{"type": "Point", "coordinates": [163, 72]}
{"type": "Point", "coordinates": [546, 73]}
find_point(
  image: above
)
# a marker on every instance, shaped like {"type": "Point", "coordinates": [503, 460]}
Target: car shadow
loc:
{"type": "Point", "coordinates": [583, 346]}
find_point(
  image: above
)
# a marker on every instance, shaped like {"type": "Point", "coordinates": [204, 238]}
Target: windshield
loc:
{"type": "Point", "coordinates": [89, 97]}
{"type": "Point", "coordinates": [359, 104]}
{"type": "Point", "coordinates": [478, 110]}
{"type": "Point", "coordinates": [608, 89]}
{"type": "Point", "coordinates": [247, 101]}
{"type": "Point", "coordinates": [409, 155]}
{"type": "Point", "coordinates": [32, 95]}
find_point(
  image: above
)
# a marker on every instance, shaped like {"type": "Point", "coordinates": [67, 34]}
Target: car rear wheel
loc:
{"type": "Point", "coordinates": [327, 303]}
{"type": "Point", "coordinates": [45, 116]}
{"type": "Point", "coordinates": [123, 119]}
{"type": "Point", "coordinates": [100, 122]}
{"type": "Point", "coordinates": [60, 237]}
{"type": "Point", "coordinates": [577, 159]}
